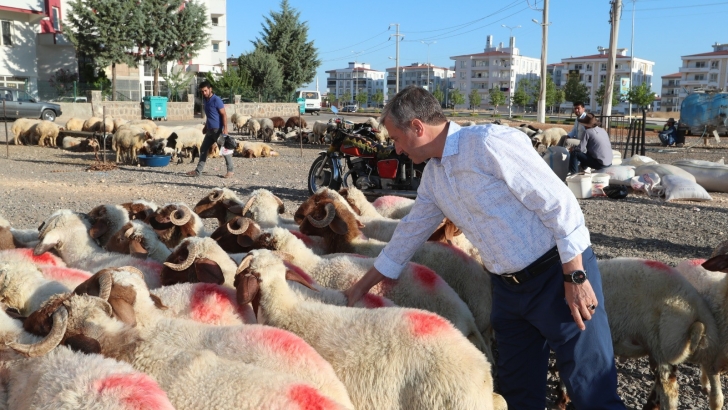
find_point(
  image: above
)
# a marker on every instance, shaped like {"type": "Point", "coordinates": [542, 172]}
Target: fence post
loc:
{"type": "Point", "coordinates": [74, 92]}
{"type": "Point", "coordinates": [644, 124]}
{"type": "Point", "coordinates": [7, 143]}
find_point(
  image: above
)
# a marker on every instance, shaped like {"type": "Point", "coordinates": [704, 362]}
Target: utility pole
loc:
{"type": "Point", "coordinates": [397, 40]}
{"type": "Point", "coordinates": [541, 114]}
{"type": "Point", "coordinates": [511, 80]}
{"type": "Point", "coordinates": [631, 57]}
{"type": "Point", "coordinates": [427, 43]}
{"type": "Point", "coordinates": [614, 15]}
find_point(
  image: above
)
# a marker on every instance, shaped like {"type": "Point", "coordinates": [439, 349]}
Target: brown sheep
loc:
{"type": "Point", "coordinates": [278, 122]}
{"type": "Point", "coordinates": [293, 122]}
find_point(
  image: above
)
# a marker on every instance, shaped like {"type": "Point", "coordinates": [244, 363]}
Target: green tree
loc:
{"type": "Point", "coordinates": [439, 95]}
{"type": "Point", "coordinates": [286, 37]}
{"type": "Point", "coordinates": [93, 27]}
{"type": "Point", "coordinates": [378, 97]}
{"type": "Point", "coordinates": [551, 92]}
{"type": "Point", "coordinates": [574, 91]}
{"type": "Point", "coordinates": [230, 82]}
{"type": "Point", "coordinates": [171, 31]}
{"type": "Point", "coordinates": [457, 97]}
{"type": "Point", "coordinates": [641, 95]}
{"type": "Point", "coordinates": [265, 74]}
{"type": "Point", "coordinates": [559, 97]}
{"type": "Point", "coordinates": [474, 98]}
{"type": "Point", "coordinates": [522, 96]}
{"type": "Point", "coordinates": [62, 82]}
{"type": "Point", "coordinates": [346, 97]}
{"type": "Point", "coordinates": [362, 97]}
{"type": "Point", "coordinates": [177, 80]}
{"type": "Point", "coordinates": [497, 97]}
{"type": "Point", "coordinates": [600, 94]}
{"type": "Point", "coordinates": [331, 98]}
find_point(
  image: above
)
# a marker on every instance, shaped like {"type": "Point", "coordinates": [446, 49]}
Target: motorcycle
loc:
{"type": "Point", "coordinates": [355, 158]}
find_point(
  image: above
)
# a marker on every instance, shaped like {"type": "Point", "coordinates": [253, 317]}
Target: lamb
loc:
{"type": "Point", "coordinates": [267, 129]}
{"type": "Point", "coordinates": [253, 127]}
{"type": "Point", "coordinates": [405, 340]}
{"type": "Point", "coordinates": [210, 380]}
{"type": "Point", "coordinates": [67, 233]}
{"type": "Point", "coordinates": [74, 124]}
{"type": "Point", "coordinates": [294, 122]}
{"type": "Point", "coordinates": [250, 149]}
{"type": "Point", "coordinates": [320, 128]}
{"type": "Point", "coordinates": [379, 131]}
{"type": "Point", "coordinates": [127, 141]}
{"type": "Point", "coordinates": [80, 144]}
{"type": "Point", "coordinates": [187, 138]}
{"type": "Point", "coordinates": [266, 209]}
{"type": "Point", "coordinates": [106, 220]}
{"type": "Point", "coordinates": [278, 123]}
{"type": "Point", "coordinates": [549, 137]}
{"type": "Point", "coordinates": [221, 204]}
{"type": "Point", "coordinates": [679, 326]}
{"type": "Point", "coordinates": [138, 239]}
{"type": "Point", "coordinates": [91, 124]}
{"type": "Point", "coordinates": [175, 222]}
{"type": "Point", "coordinates": [21, 129]}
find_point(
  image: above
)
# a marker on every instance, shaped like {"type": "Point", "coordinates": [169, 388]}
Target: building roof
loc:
{"type": "Point", "coordinates": [595, 57]}
{"type": "Point", "coordinates": [556, 64]}
{"type": "Point", "coordinates": [675, 75]}
{"type": "Point", "coordinates": [352, 69]}
{"type": "Point", "coordinates": [712, 53]}
{"type": "Point", "coordinates": [488, 54]}
{"type": "Point", "coordinates": [423, 67]}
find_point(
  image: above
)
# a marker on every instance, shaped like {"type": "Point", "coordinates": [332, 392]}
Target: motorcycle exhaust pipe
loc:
{"type": "Point", "coordinates": [382, 192]}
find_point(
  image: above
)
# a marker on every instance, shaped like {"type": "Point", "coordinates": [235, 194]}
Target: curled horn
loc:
{"type": "Point", "coordinates": [185, 216]}
{"type": "Point", "coordinates": [281, 207]}
{"type": "Point", "coordinates": [244, 263]}
{"type": "Point", "coordinates": [243, 226]}
{"type": "Point", "coordinates": [330, 214]}
{"type": "Point", "coordinates": [60, 321]}
{"type": "Point", "coordinates": [134, 270]}
{"type": "Point", "coordinates": [247, 206]}
{"type": "Point", "coordinates": [192, 254]}
{"type": "Point", "coordinates": [216, 195]}
{"type": "Point", "coordinates": [105, 283]}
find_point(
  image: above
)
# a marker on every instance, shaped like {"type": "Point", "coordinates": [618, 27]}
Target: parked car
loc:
{"type": "Point", "coordinates": [350, 108]}
{"type": "Point", "coordinates": [18, 104]}
{"type": "Point", "coordinates": [71, 99]}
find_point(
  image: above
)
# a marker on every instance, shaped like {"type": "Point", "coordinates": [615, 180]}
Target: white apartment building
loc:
{"type": "Point", "coordinates": [419, 74]}
{"type": "Point", "coordinates": [357, 77]}
{"type": "Point", "coordinates": [497, 66]}
{"type": "Point", "coordinates": [592, 72]}
{"type": "Point", "coordinates": [670, 93]}
{"type": "Point", "coordinates": [704, 72]}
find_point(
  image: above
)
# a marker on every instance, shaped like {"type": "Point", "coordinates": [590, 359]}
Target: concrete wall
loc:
{"type": "Point", "coordinates": [131, 110]}
{"type": "Point", "coordinates": [78, 110]}
{"type": "Point", "coordinates": [263, 110]}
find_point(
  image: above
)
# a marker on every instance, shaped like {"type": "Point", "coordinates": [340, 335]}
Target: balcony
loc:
{"type": "Point", "coordinates": [694, 69]}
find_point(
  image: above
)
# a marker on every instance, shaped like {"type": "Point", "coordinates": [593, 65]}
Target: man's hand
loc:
{"type": "Point", "coordinates": [580, 298]}
{"type": "Point", "coordinates": [362, 286]}
{"type": "Point", "coordinates": [204, 129]}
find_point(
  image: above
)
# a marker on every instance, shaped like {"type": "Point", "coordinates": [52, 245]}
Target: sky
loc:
{"type": "Point", "coordinates": [664, 30]}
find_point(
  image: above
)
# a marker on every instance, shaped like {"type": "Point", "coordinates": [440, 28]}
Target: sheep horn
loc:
{"type": "Point", "coordinates": [248, 205]}
{"type": "Point", "coordinates": [105, 283]}
{"type": "Point", "coordinates": [243, 226]}
{"type": "Point", "coordinates": [54, 337]}
{"type": "Point", "coordinates": [136, 271]}
{"type": "Point", "coordinates": [244, 264]}
{"type": "Point", "coordinates": [281, 207]}
{"type": "Point", "coordinates": [182, 219]}
{"type": "Point", "coordinates": [330, 214]}
{"type": "Point", "coordinates": [216, 195]}
{"type": "Point", "coordinates": [191, 256]}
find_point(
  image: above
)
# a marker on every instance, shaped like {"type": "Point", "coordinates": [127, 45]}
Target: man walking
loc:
{"type": "Point", "coordinates": [547, 291]}
{"type": "Point", "coordinates": [215, 124]}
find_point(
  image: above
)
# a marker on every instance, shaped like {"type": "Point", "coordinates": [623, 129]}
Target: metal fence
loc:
{"type": "Point", "coordinates": [617, 126]}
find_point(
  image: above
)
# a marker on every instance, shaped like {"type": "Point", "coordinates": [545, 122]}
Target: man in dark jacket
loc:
{"type": "Point", "coordinates": [595, 150]}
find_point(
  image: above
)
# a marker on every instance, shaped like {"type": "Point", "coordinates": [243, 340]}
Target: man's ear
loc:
{"type": "Point", "coordinates": [418, 126]}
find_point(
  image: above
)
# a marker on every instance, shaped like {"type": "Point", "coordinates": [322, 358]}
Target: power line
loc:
{"type": "Point", "coordinates": [470, 31]}
{"type": "Point", "coordinates": [354, 45]}
{"type": "Point", "coordinates": [685, 7]}
{"type": "Point", "coordinates": [470, 22]}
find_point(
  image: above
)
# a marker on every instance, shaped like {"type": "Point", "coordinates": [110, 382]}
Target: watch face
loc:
{"type": "Point", "coordinates": [578, 276]}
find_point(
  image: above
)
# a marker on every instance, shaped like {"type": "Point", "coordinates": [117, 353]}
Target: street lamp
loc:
{"type": "Point", "coordinates": [631, 59]}
{"type": "Point", "coordinates": [541, 115]}
{"type": "Point", "coordinates": [428, 43]}
{"type": "Point", "coordinates": [510, 73]}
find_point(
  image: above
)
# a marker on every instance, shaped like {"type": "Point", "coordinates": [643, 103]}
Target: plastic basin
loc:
{"type": "Point", "coordinates": [154, 160]}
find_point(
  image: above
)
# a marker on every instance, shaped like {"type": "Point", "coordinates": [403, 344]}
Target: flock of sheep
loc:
{"type": "Point", "coordinates": [138, 303]}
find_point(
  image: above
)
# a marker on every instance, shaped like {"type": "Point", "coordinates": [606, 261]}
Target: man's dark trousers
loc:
{"type": "Point", "coordinates": [533, 318]}
{"type": "Point", "coordinates": [211, 138]}
{"type": "Point", "coordinates": [577, 158]}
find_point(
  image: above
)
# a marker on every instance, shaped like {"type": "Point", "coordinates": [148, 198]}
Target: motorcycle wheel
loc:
{"type": "Point", "coordinates": [321, 174]}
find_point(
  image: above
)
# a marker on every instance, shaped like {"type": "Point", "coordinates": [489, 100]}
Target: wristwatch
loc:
{"type": "Point", "coordinates": [576, 277]}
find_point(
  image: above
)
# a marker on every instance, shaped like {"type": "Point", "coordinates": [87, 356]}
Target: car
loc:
{"type": "Point", "coordinates": [18, 104]}
{"type": "Point", "coordinates": [71, 99]}
{"type": "Point", "coordinates": [349, 108]}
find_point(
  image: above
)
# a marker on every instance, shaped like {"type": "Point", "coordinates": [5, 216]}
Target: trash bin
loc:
{"type": "Point", "coordinates": [155, 108]}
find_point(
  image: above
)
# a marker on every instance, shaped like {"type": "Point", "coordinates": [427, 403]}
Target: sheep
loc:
{"type": "Point", "coordinates": [67, 233]}
{"type": "Point", "coordinates": [253, 127]}
{"type": "Point", "coordinates": [721, 249]}
{"type": "Point", "coordinates": [118, 122]}
{"type": "Point", "coordinates": [138, 239]}
{"type": "Point", "coordinates": [74, 124]}
{"type": "Point", "coordinates": [175, 222]}
{"type": "Point", "coordinates": [163, 132]}
{"type": "Point", "coordinates": [654, 311]}
{"type": "Point", "coordinates": [468, 123]}
{"type": "Point", "coordinates": [221, 204]}
{"type": "Point", "coordinates": [91, 124]}
{"type": "Point", "coordinates": [106, 125]}
{"type": "Point", "coordinates": [239, 121]}
{"type": "Point", "coordinates": [394, 207]}
{"type": "Point", "coordinates": [159, 147]}
{"type": "Point", "coordinates": [340, 230]}
{"type": "Point", "coordinates": [278, 123]}
{"type": "Point", "coordinates": [204, 303]}
{"type": "Point", "coordinates": [267, 129]}
{"type": "Point", "coordinates": [294, 122]}
{"type": "Point", "coordinates": [379, 131]}
{"type": "Point", "coordinates": [250, 149]}
{"type": "Point", "coordinates": [198, 260]}
{"type": "Point", "coordinates": [106, 220]}
{"type": "Point", "coordinates": [65, 379]}
{"type": "Point", "coordinates": [266, 209]}
{"type": "Point", "coordinates": [127, 141]}
{"type": "Point", "coordinates": [410, 345]}
{"type": "Point", "coordinates": [19, 238]}
{"type": "Point", "coordinates": [320, 129]}
{"type": "Point", "coordinates": [549, 137]}
{"type": "Point", "coordinates": [21, 129]}
{"type": "Point", "coordinates": [7, 241]}
{"type": "Point", "coordinates": [140, 209]}
{"type": "Point", "coordinates": [148, 125]}
{"type": "Point", "coordinates": [192, 377]}
{"type": "Point", "coordinates": [187, 138]}
{"type": "Point", "coordinates": [23, 286]}
{"type": "Point", "coordinates": [418, 286]}
{"type": "Point", "coordinates": [80, 144]}
{"type": "Point", "coordinates": [359, 202]}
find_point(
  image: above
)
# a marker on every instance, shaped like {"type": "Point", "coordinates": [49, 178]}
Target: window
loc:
{"type": "Point", "coordinates": [149, 70]}
{"type": "Point", "coordinates": [463, 64]}
{"type": "Point", "coordinates": [714, 77]}
{"type": "Point", "coordinates": [215, 47]}
{"type": "Point", "coordinates": [214, 21]}
{"type": "Point", "coordinates": [700, 64]}
{"type": "Point", "coordinates": [23, 96]}
{"type": "Point", "coordinates": [578, 66]}
{"type": "Point", "coordinates": [7, 32]}
{"type": "Point", "coordinates": [480, 63]}
{"type": "Point", "coordinates": [603, 67]}
{"type": "Point", "coordinates": [56, 19]}
{"type": "Point", "coordinates": [588, 78]}
{"type": "Point", "coordinates": [713, 64]}
{"type": "Point", "coordinates": [462, 74]}
{"type": "Point", "coordinates": [602, 78]}
{"type": "Point", "coordinates": [588, 67]}
{"type": "Point", "coordinates": [699, 77]}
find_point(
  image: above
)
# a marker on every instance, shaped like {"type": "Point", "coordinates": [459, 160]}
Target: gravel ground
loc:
{"type": "Point", "coordinates": [36, 181]}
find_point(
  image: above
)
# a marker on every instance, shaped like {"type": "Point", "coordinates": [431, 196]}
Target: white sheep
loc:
{"type": "Point", "coordinates": [221, 204]}
{"type": "Point", "coordinates": [118, 122]}
{"type": "Point", "coordinates": [23, 286]}
{"type": "Point", "coordinates": [80, 144]}
{"type": "Point", "coordinates": [91, 124]}
{"type": "Point", "coordinates": [267, 129]}
{"type": "Point", "coordinates": [187, 139]}
{"type": "Point", "coordinates": [19, 238]}
{"type": "Point", "coordinates": [140, 209]}
{"type": "Point", "coordinates": [21, 130]}
{"type": "Point", "coordinates": [319, 129]}
{"type": "Point", "coordinates": [138, 239]}
{"type": "Point", "coordinates": [199, 258]}
{"type": "Point", "coordinates": [174, 222]}
{"type": "Point", "coordinates": [239, 122]}
{"type": "Point", "coordinates": [205, 303]}
{"type": "Point", "coordinates": [51, 268]}
{"type": "Point", "coordinates": [379, 131]}
{"type": "Point", "coordinates": [395, 207]}
{"type": "Point", "coordinates": [106, 125]}
{"type": "Point", "coordinates": [549, 137]}
{"type": "Point", "coordinates": [252, 149]}
{"type": "Point", "coordinates": [410, 345]}
{"type": "Point", "coordinates": [359, 202]}
{"type": "Point", "coordinates": [127, 141]}
{"type": "Point", "coordinates": [253, 127]}
{"type": "Point", "coordinates": [148, 125]}
{"type": "Point", "coordinates": [266, 209]}
{"type": "Point", "coordinates": [74, 124]}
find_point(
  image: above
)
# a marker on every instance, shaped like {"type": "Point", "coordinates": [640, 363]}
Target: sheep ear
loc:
{"type": "Point", "coordinates": [49, 242]}
{"type": "Point", "coordinates": [339, 226]}
{"type": "Point", "coordinates": [84, 344]}
{"type": "Point", "coordinates": [158, 302]}
{"type": "Point", "coordinates": [122, 301]}
{"type": "Point", "coordinates": [99, 228]}
{"type": "Point", "coordinates": [247, 288]}
{"type": "Point", "coordinates": [294, 276]}
{"type": "Point", "coordinates": [208, 271]}
{"type": "Point", "coordinates": [137, 250]}
{"type": "Point", "coordinates": [717, 264]}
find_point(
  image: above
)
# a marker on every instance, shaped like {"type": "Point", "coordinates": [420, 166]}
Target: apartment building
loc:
{"type": "Point", "coordinates": [419, 74]}
{"type": "Point", "coordinates": [592, 72]}
{"type": "Point", "coordinates": [670, 93]}
{"type": "Point", "coordinates": [704, 72]}
{"type": "Point", "coordinates": [356, 78]}
{"type": "Point", "coordinates": [496, 66]}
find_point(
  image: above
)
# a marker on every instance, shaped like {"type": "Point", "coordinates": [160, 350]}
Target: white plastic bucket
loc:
{"type": "Point", "coordinates": [616, 158]}
{"type": "Point", "coordinates": [599, 181]}
{"type": "Point", "coordinates": [580, 185]}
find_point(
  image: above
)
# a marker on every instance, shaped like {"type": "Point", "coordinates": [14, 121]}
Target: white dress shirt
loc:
{"type": "Point", "coordinates": [578, 130]}
{"type": "Point", "coordinates": [495, 187]}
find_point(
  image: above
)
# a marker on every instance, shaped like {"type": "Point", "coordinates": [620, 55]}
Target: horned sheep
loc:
{"type": "Point", "coordinates": [138, 239]}
{"type": "Point", "coordinates": [221, 204]}
{"type": "Point", "coordinates": [175, 222]}
{"type": "Point", "coordinates": [106, 220]}
{"type": "Point", "coordinates": [266, 209]}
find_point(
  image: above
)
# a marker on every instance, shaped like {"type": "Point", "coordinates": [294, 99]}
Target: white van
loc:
{"type": "Point", "coordinates": [313, 101]}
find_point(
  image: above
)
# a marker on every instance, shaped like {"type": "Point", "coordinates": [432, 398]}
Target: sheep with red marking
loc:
{"type": "Point", "coordinates": [106, 220]}
{"type": "Point", "coordinates": [167, 349]}
{"type": "Point", "coordinates": [417, 287]}
{"type": "Point", "coordinates": [204, 303]}
{"type": "Point", "coordinates": [23, 286]}
{"type": "Point", "coordinates": [408, 344]}
{"type": "Point", "coordinates": [64, 379]}
{"type": "Point", "coordinates": [654, 311]}
{"type": "Point", "coordinates": [67, 233]}
{"type": "Point", "coordinates": [221, 204]}
{"type": "Point", "coordinates": [395, 207]}
{"type": "Point", "coordinates": [266, 209]}
{"type": "Point", "coordinates": [240, 233]}
{"type": "Point", "coordinates": [340, 230]}
{"type": "Point", "coordinates": [138, 239]}
{"type": "Point", "coordinates": [18, 238]}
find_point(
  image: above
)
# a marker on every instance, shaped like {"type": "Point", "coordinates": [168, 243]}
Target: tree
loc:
{"type": "Point", "coordinates": [551, 93]}
{"type": "Point", "coordinates": [522, 96]}
{"type": "Point", "coordinates": [93, 27]}
{"type": "Point", "coordinates": [331, 98]}
{"type": "Point", "coordinates": [285, 36]}
{"type": "Point", "coordinates": [378, 97]}
{"type": "Point", "coordinates": [63, 81]}
{"type": "Point", "coordinates": [474, 98]}
{"type": "Point", "coordinates": [177, 80]}
{"type": "Point", "coordinates": [346, 97]}
{"type": "Point", "coordinates": [641, 95]}
{"type": "Point", "coordinates": [362, 97]}
{"type": "Point", "coordinates": [265, 73]}
{"type": "Point", "coordinates": [171, 31]}
{"type": "Point", "coordinates": [559, 97]}
{"type": "Point", "coordinates": [497, 97]}
{"type": "Point", "coordinates": [439, 95]}
{"type": "Point", "coordinates": [233, 81]}
{"type": "Point", "coordinates": [615, 94]}
{"type": "Point", "coordinates": [457, 97]}
{"type": "Point", "coordinates": [574, 91]}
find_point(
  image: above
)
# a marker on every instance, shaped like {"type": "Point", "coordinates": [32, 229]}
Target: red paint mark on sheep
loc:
{"type": "Point", "coordinates": [387, 201]}
{"type": "Point", "coordinates": [150, 265]}
{"type": "Point", "coordinates": [303, 237]}
{"type": "Point", "coordinates": [300, 272]}
{"type": "Point", "coordinates": [308, 398]}
{"type": "Point", "coordinates": [696, 262]}
{"type": "Point", "coordinates": [372, 301]}
{"type": "Point", "coordinates": [45, 258]}
{"type": "Point", "coordinates": [135, 391]}
{"type": "Point", "coordinates": [426, 276]}
{"type": "Point", "coordinates": [425, 324]}
{"type": "Point", "coordinates": [284, 343]}
{"type": "Point", "coordinates": [658, 265]}
{"type": "Point", "coordinates": [210, 302]}
{"type": "Point", "coordinates": [454, 249]}
{"type": "Point", "coordinates": [60, 273]}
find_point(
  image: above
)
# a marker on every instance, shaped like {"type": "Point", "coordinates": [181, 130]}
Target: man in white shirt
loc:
{"type": "Point", "coordinates": [531, 235]}
{"type": "Point", "coordinates": [574, 137]}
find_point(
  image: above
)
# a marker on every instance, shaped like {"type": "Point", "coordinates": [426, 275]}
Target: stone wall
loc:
{"type": "Point", "coordinates": [263, 110]}
{"type": "Point", "coordinates": [132, 110]}
{"type": "Point", "coordinates": [77, 110]}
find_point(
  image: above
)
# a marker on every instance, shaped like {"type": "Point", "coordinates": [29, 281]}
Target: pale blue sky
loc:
{"type": "Point", "coordinates": [344, 32]}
